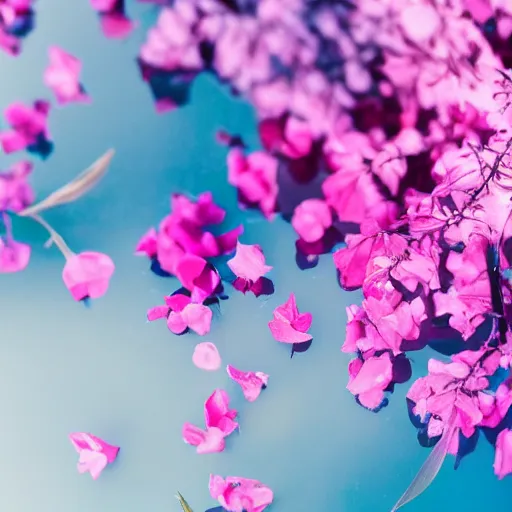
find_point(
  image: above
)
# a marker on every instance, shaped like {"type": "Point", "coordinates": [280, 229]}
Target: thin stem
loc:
{"type": "Point", "coordinates": [54, 237]}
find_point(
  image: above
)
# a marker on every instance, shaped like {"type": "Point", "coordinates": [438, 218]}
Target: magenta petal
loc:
{"type": "Point", "coordinates": [285, 333]}
{"type": "Point", "coordinates": [116, 26]}
{"type": "Point", "coordinates": [227, 241]}
{"type": "Point", "coordinates": [218, 414]}
{"type": "Point", "coordinates": [177, 302]}
{"type": "Point", "coordinates": [193, 435]}
{"type": "Point", "coordinates": [176, 323]}
{"type": "Point", "coordinates": [303, 322]}
{"type": "Point", "coordinates": [205, 284]}
{"type": "Point", "coordinates": [206, 356]}
{"type": "Point", "coordinates": [189, 268]}
{"type": "Point", "coordinates": [148, 244]}
{"type": "Point", "coordinates": [13, 141]}
{"type": "Point", "coordinates": [14, 256]}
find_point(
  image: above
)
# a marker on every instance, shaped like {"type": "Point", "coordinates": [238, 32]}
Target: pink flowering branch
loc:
{"type": "Point", "coordinates": [87, 274]}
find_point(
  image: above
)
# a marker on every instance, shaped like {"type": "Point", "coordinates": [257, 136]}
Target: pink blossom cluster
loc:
{"type": "Point", "coordinates": [16, 21]}
{"type": "Point", "coordinates": [395, 116]}
{"type": "Point", "coordinates": [405, 126]}
{"type": "Point", "coordinates": [183, 247]}
{"type": "Point", "coordinates": [87, 274]}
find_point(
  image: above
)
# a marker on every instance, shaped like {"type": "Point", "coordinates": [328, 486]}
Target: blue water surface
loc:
{"type": "Point", "coordinates": [105, 370]}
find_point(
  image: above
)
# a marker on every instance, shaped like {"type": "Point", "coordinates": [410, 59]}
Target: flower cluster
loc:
{"type": "Point", "coordinates": [86, 275]}
{"type": "Point", "coordinates": [402, 129]}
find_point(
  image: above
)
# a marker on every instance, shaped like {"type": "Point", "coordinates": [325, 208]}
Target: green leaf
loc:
{"type": "Point", "coordinates": [75, 189]}
{"type": "Point", "coordinates": [184, 505]}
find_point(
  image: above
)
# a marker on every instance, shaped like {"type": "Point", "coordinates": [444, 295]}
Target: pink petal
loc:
{"type": "Point", "coordinates": [217, 412]}
{"type": "Point", "coordinates": [14, 256]}
{"type": "Point", "coordinates": [148, 244]}
{"type": "Point", "coordinates": [62, 76]}
{"type": "Point", "coordinates": [303, 322]}
{"type": "Point", "coordinates": [311, 218]}
{"type": "Point", "coordinates": [198, 317]}
{"type": "Point", "coordinates": [503, 457]}
{"type": "Point", "coordinates": [285, 333]}
{"type": "Point", "coordinates": [213, 443]}
{"type": "Point", "coordinates": [13, 141]}
{"type": "Point", "coordinates": [116, 26]}
{"type": "Point", "coordinates": [374, 376]}
{"type": "Point", "coordinates": [190, 268]}
{"type": "Point", "coordinates": [248, 262]}
{"type": "Point", "coordinates": [176, 323]}
{"type": "Point", "coordinates": [251, 382]}
{"type": "Point", "coordinates": [415, 29]}
{"type": "Point", "coordinates": [157, 312]}
{"type": "Point", "coordinates": [88, 274]}
{"type": "Point", "coordinates": [206, 356]}
{"type": "Point", "coordinates": [193, 435]}
{"type": "Point", "coordinates": [287, 311]}
{"type": "Point", "coordinates": [177, 302]}
{"type": "Point", "coordinates": [94, 462]}
{"type": "Point", "coordinates": [227, 241]}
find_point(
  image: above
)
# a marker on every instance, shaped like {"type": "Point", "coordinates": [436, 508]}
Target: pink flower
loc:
{"type": "Point", "coordinates": [251, 382]}
{"type": "Point", "coordinates": [206, 441]}
{"type": "Point", "coordinates": [203, 212]}
{"type": "Point", "coordinates": [455, 390]}
{"type": "Point", "coordinates": [248, 264]}
{"type": "Point", "coordinates": [219, 420]}
{"type": "Point", "coordinates": [182, 314]}
{"type": "Point", "coordinates": [237, 494]}
{"type": "Point", "coordinates": [206, 356]}
{"type": "Point", "coordinates": [198, 277]}
{"type": "Point", "coordinates": [255, 177]}
{"type": "Point", "coordinates": [352, 261]}
{"type": "Point", "coordinates": [182, 236]}
{"type": "Point", "coordinates": [94, 453]}
{"type": "Point", "coordinates": [311, 219]}
{"type": "Point", "coordinates": [114, 22]}
{"type": "Point", "coordinates": [288, 325]}
{"type": "Point", "coordinates": [148, 244]}
{"type": "Point", "coordinates": [63, 77]}
{"type": "Point", "coordinates": [351, 194]}
{"type": "Point", "coordinates": [369, 379]}
{"type": "Point", "coordinates": [218, 414]}
{"type": "Point", "coordinates": [28, 126]}
{"type": "Point", "coordinates": [15, 192]}
{"type": "Point", "coordinates": [87, 275]}
{"type": "Point", "coordinates": [291, 138]}
{"type": "Point", "coordinates": [503, 457]}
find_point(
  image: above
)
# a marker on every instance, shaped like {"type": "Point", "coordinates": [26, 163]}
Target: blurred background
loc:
{"type": "Point", "coordinates": [106, 371]}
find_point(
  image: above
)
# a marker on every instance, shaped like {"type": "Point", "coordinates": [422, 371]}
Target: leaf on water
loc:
{"type": "Point", "coordinates": [428, 471]}
{"type": "Point", "coordinates": [184, 505]}
{"type": "Point", "coordinates": [75, 189]}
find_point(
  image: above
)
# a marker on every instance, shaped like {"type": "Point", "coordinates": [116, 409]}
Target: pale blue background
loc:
{"type": "Point", "coordinates": [105, 370]}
